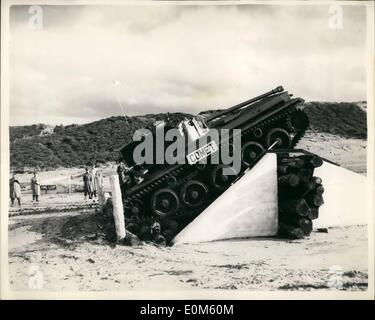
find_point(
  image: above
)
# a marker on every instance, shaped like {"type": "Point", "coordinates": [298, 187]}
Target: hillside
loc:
{"type": "Point", "coordinates": [346, 119]}
{"type": "Point", "coordinates": [77, 145]}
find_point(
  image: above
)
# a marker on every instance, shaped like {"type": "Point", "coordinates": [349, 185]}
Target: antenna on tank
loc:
{"type": "Point", "coordinates": [116, 83]}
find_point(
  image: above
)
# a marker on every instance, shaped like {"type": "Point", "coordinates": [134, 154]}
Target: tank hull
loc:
{"type": "Point", "coordinates": [174, 195]}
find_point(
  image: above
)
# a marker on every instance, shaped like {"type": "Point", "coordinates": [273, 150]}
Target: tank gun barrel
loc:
{"type": "Point", "coordinates": [243, 104]}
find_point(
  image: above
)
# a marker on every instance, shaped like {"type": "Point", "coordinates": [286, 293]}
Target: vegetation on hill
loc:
{"type": "Point", "coordinates": [24, 132]}
{"type": "Point", "coordinates": [345, 119]}
{"type": "Point", "coordinates": [79, 145]}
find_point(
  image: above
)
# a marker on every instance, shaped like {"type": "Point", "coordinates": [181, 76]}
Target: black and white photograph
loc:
{"type": "Point", "coordinates": [187, 149]}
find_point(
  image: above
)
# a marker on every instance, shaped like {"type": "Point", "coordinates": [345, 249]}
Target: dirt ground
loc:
{"type": "Point", "coordinates": [69, 254]}
{"type": "Point", "coordinates": [81, 261]}
{"type": "Point", "coordinates": [348, 153]}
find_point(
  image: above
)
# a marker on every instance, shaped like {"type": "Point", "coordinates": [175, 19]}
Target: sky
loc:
{"type": "Point", "coordinates": [86, 63]}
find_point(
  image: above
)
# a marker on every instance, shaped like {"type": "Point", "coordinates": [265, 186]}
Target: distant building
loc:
{"type": "Point", "coordinates": [47, 131]}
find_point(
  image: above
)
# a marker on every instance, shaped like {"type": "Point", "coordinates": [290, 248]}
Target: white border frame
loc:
{"type": "Point", "coordinates": [6, 293]}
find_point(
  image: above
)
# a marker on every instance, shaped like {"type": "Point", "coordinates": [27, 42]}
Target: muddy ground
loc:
{"type": "Point", "coordinates": [69, 252]}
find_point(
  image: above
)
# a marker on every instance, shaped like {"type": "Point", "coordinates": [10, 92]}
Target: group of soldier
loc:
{"type": "Point", "coordinates": [15, 189]}
{"type": "Point", "coordinates": [90, 185]}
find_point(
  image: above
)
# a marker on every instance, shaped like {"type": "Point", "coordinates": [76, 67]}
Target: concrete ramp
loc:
{"type": "Point", "coordinates": [345, 197]}
{"type": "Point", "coordinates": [246, 209]}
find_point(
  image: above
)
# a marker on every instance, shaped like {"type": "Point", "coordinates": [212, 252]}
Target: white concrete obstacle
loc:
{"type": "Point", "coordinates": [345, 197]}
{"type": "Point", "coordinates": [249, 208]}
{"type": "Point", "coordinates": [99, 184]}
{"type": "Point", "coordinates": [118, 209]}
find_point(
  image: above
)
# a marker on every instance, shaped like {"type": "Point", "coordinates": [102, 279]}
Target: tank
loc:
{"type": "Point", "coordinates": [172, 195]}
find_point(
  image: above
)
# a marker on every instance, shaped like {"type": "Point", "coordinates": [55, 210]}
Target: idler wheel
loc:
{"type": "Point", "coordinates": [164, 202]}
{"type": "Point", "coordinates": [281, 136]}
{"type": "Point", "coordinates": [219, 180]}
{"type": "Point", "coordinates": [250, 152]}
{"type": "Point", "coordinates": [298, 120]}
{"type": "Point", "coordinates": [194, 193]}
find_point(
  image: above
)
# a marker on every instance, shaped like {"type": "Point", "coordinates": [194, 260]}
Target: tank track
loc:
{"type": "Point", "coordinates": [183, 173]}
{"type": "Point", "coordinates": [283, 115]}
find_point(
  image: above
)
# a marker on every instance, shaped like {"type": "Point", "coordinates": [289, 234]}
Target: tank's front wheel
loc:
{"type": "Point", "coordinates": [280, 136]}
{"type": "Point", "coordinates": [250, 152]}
{"type": "Point", "coordinates": [298, 121]}
{"type": "Point", "coordinates": [220, 178]}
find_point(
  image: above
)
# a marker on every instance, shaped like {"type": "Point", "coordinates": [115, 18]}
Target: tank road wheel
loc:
{"type": "Point", "coordinates": [219, 180]}
{"type": "Point", "coordinates": [257, 133]}
{"type": "Point", "coordinates": [250, 151]}
{"type": "Point", "coordinates": [164, 202]}
{"type": "Point", "coordinates": [281, 136]}
{"type": "Point", "coordinates": [194, 193]}
{"type": "Point", "coordinates": [298, 121]}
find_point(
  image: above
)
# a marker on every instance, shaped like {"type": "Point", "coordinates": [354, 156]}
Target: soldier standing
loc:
{"type": "Point", "coordinates": [124, 178]}
{"type": "Point", "coordinates": [87, 184]}
{"type": "Point", "coordinates": [94, 188]}
{"type": "Point", "coordinates": [121, 171]}
{"type": "Point", "coordinates": [35, 187]}
{"type": "Point", "coordinates": [15, 190]}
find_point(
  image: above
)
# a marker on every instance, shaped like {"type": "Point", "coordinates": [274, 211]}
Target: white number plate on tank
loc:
{"type": "Point", "coordinates": [202, 152]}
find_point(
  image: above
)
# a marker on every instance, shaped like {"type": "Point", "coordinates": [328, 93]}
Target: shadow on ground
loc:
{"type": "Point", "coordinates": [68, 230]}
